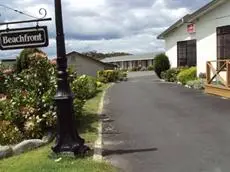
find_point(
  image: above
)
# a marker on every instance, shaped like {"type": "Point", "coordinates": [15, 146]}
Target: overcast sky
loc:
{"type": "Point", "coordinates": [105, 25]}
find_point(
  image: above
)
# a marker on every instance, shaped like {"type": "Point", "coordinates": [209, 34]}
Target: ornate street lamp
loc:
{"type": "Point", "coordinates": [68, 139]}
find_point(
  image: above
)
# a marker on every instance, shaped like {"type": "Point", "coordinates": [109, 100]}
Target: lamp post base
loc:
{"type": "Point", "coordinates": [67, 139]}
{"type": "Point", "coordinates": [75, 148]}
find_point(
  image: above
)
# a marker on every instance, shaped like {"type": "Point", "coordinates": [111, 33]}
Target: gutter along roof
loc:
{"type": "Point", "coordinates": [190, 18]}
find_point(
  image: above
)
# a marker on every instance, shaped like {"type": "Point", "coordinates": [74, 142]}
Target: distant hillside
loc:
{"type": "Point", "coordinates": [101, 56]}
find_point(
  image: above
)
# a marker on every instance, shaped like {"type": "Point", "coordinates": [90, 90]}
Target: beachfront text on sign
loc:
{"type": "Point", "coordinates": [24, 38]}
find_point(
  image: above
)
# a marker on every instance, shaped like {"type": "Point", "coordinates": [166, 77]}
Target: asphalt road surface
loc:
{"type": "Point", "coordinates": [153, 126]}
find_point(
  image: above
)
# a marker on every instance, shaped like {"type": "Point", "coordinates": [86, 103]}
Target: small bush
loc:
{"type": "Point", "coordinates": [170, 75]}
{"type": "Point", "coordinates": [84, 87]}
{"type": "Point", "coordinates": [99, 84]}
{"type": "Point", "coordinates": [107, 76]}
{"type": "Point", "coordinates": [150, 68]}
{"type": "Point", "coordinates": [78, 106]}
{"type": "Point", "coordinates": [187, 75]}
{"type": "Point", "coordinates": [161, 64]}
{"type": "Point", "coordinates": [196, 84]}
{"type": "Point", "coordinates": [122, 75]}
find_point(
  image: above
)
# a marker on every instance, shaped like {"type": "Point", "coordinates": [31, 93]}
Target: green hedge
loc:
{"type": "Point", "coordinates": [84, 87]}
{"type": "Point", "coordinates": [161, 64]}
{"type": "Point", "coordinates": [107, 76]}
{"type": "Point", "coordinates": [187, 75]}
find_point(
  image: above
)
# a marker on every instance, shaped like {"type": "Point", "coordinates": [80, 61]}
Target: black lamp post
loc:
{"type": "Point", "coordinates": [68, 139]}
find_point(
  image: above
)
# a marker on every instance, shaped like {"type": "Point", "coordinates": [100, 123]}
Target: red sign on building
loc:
{"type": "Point", "coordinates": [191, 28]}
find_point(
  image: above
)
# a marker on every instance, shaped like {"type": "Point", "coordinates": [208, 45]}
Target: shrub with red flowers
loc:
{"type": "Point", "coordinates": [27, 99]}
{"type": "Point", "coordinates": [27, 108]}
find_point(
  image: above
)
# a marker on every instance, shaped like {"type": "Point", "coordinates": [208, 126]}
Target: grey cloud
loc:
{"type": "Point", "coordinates": [80, 36]}
{"type": "Point", "coordinates": [130, 3]}
{"type": "Point", "coordinates": [117, 25]}
{"type": "Point", "coordinates": [191, 4]}
{"type": "Point", "coordinates": [84, 13]}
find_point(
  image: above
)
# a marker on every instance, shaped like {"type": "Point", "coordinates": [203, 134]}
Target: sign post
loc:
{"type": "Point", "coordinates": [68, 139]}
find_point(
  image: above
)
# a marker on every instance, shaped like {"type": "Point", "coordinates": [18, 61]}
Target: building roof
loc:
{"type": "Point", "coordinates": [190, 18]}
{"type": "Point", "coordinates": [89, 58]}
{"type": "Point", "coordinates": [148, 56]}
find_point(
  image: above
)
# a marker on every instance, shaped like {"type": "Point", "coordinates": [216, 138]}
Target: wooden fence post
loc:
{"type": "Point", "coordinates": [228, 74]}
{"type": "Point", "coordinates": [208, 72]}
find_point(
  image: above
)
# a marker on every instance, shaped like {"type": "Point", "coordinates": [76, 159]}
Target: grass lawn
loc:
{"type": "Point", "coordinates": [40, 160]}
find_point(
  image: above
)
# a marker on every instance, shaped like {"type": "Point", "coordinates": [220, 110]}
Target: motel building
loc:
{"type": "Point", "coordinates": [129, 62]}
{"type": "Point", "coordinates": [202, 39]}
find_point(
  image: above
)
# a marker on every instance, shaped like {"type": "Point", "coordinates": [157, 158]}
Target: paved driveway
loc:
{"type": "Point", "coordinates": [152, 126]}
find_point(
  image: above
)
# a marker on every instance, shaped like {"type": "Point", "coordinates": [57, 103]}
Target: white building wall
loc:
{"type": "Point", "coordinates": [179, 34]}
{"type": "Point", "coordinates": [205, 35]}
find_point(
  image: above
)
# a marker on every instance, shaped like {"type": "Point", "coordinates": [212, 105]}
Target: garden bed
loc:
{"type": "Point", "coordinates": [40, 159]}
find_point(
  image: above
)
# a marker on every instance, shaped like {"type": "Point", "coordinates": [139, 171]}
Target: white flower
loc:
{"type": "Point", "coordinates": [39, 120]}
{"type": "Point", "coordinates": [29, 125]}
{"type": "Point", "coordinates": [3, 98]}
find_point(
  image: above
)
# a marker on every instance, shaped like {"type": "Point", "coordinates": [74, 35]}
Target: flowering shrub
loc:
{"type": "Point", "coordinates": [26, 97]}
{"type": "Point", "coordinates": [29, 104]}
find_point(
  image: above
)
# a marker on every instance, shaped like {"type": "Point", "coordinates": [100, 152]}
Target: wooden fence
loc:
{"type": "Point", "coordinates": [214, 73]}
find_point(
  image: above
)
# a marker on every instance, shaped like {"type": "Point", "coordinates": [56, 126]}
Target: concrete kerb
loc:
{"type": "Point", "coordinates": [99, 142]}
